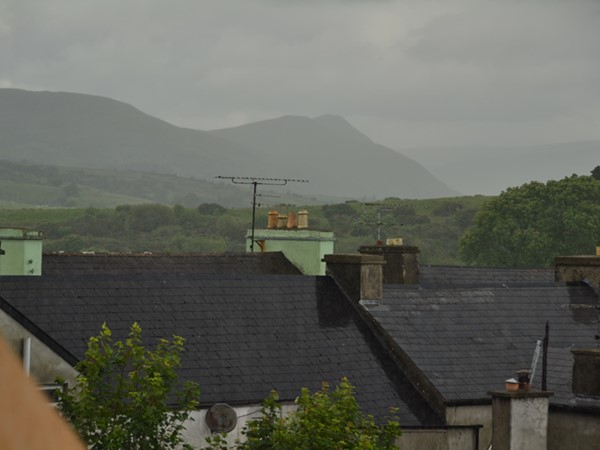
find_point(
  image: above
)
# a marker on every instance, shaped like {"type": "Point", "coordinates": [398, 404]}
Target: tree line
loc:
{"type": "Point", "coordinates": [525, 226]}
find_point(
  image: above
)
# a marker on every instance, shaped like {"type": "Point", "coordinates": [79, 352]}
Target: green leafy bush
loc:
{"type": "Point", "coordinates": [323, 420]}
{"type": "Point", "coordinates": [123, 392]}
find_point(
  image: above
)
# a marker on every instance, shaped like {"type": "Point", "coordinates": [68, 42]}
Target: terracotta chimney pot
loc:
{"type": "Point", "coordinates": [282, 221]}
{"type": "Point", "coordinates": [292, 221]}
{"type": "Point", "coordinates": [272, 219]}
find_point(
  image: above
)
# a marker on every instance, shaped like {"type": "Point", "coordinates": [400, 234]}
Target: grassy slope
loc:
{"type": "Point", "coordinates": [23, 184]}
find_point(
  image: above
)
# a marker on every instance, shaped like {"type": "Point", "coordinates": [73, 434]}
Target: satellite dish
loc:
{"type": "Point", "coordinates": [221, 418]}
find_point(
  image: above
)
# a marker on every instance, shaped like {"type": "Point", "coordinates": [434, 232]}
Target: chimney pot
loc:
{"type": "Point", "coordinates": [302, 219]}
{"type": "Point", "coordinates": [292, 222]}
{"type": "Point", "coordinates": [272, 219]}
{"type": "Point", "coordinates": [523, 378]}
{"type": "Point", "coordinates": [282, 221]}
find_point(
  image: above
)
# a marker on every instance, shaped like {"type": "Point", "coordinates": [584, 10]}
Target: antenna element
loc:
{"type": "Point", "coordinates": [255, 181]}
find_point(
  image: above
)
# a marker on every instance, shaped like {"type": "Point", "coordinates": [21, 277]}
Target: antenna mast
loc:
{"type": "Point", "coordinates": [255, 181]}
{"type": "Point", "coordinates": [392, 207]}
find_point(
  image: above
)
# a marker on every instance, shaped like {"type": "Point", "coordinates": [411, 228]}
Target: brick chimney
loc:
{"type": "Point", "coordinates": [359, 275]}
{"type": "Point", "coordinates": [574, 269]}
{"type": "Point", "coordinates": [401, 262]}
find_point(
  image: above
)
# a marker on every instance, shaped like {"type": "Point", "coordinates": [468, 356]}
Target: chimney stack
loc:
{"type": "Point", "coordinates": [520, 420]}
{"type": "Point", "coordinates": [290, 235]}
{"type": "Point", "coordinates": [359, 276]}
{"type": "Point", "coordinates": [401, 262]}
{"type": "Point", "coordinates": [575, 269]}
{"type": "Point", "coordinates": [20, 252]}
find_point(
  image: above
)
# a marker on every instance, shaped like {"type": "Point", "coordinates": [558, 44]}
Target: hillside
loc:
{"type": "Point", "coordinates": [27, 185]}
{"type": "Point", "coordinates": [78, 130]}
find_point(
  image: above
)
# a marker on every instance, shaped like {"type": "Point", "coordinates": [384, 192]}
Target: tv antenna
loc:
{"type": "Point", "coordinates": [255, 181]}
{"type": "Point", "coordinates": [384, 207]}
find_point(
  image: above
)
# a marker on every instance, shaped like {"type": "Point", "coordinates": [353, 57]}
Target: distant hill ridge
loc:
{"type": "Point", "coordinates": [80, 130]}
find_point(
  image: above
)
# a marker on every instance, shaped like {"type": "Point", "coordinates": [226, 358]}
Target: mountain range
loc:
{"type": "Point", "coordinates": [115, 141]}
{"type": "Point", "coordinates": [92, 132]}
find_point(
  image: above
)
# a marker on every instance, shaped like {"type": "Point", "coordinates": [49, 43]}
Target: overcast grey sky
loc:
{"type": "Point", "coordinates": [405, 72]}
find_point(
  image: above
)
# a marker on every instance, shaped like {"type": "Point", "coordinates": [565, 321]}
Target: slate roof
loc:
{"type": "Point", "coordinates": [246, 332]}
{"type": "Point", "coordinates": [455, 276]}
{"type": "Point", "coordinates": [207, 264]}
{"type": "Point", "coordinates": [467, 341]}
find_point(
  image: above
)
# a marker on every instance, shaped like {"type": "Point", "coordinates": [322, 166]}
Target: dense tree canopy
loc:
{"type": "Point", "coordinates": [528, 226]}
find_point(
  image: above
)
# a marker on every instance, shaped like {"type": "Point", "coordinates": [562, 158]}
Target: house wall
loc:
{"type": "Point", "coordinates": [412, 439]}
{"type": "Point", "coordinates": [572, 430]}
{"type": "Point", "coordinates": [45, 364]}
{"type": "Point", "coordinates": [197, 430]}
{"type": "Point", "coordinates": [473, 415]}
{"type": "Point", "coordinates": [437, 439]}
{"type": "Point", "coordinates": [420, 439]}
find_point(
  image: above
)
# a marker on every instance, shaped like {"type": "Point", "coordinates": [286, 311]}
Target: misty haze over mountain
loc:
{"type": "Point", "coordinates": [481, 74]}
{"type": "Point", "coordinates": [76, 130]}
{"type": "Point", "coordinates": [488, 170]}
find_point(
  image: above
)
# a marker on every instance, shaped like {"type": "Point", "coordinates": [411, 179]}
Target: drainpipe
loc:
{"type": "Point", "coordinates": [26, 355]}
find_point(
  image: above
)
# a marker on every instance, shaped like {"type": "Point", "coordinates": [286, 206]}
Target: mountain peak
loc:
{"type": "Point", "coordinates": [341, 126]}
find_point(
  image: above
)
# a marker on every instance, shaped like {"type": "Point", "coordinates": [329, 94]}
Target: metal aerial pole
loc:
{"type": "Point", "coordinates": [391, 207]}
{"type": "Point", "coordinates": [255, 181]}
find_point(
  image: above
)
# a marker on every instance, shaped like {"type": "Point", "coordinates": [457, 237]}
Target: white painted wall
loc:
{"type": "Point", "coordinates": [197, 430]}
